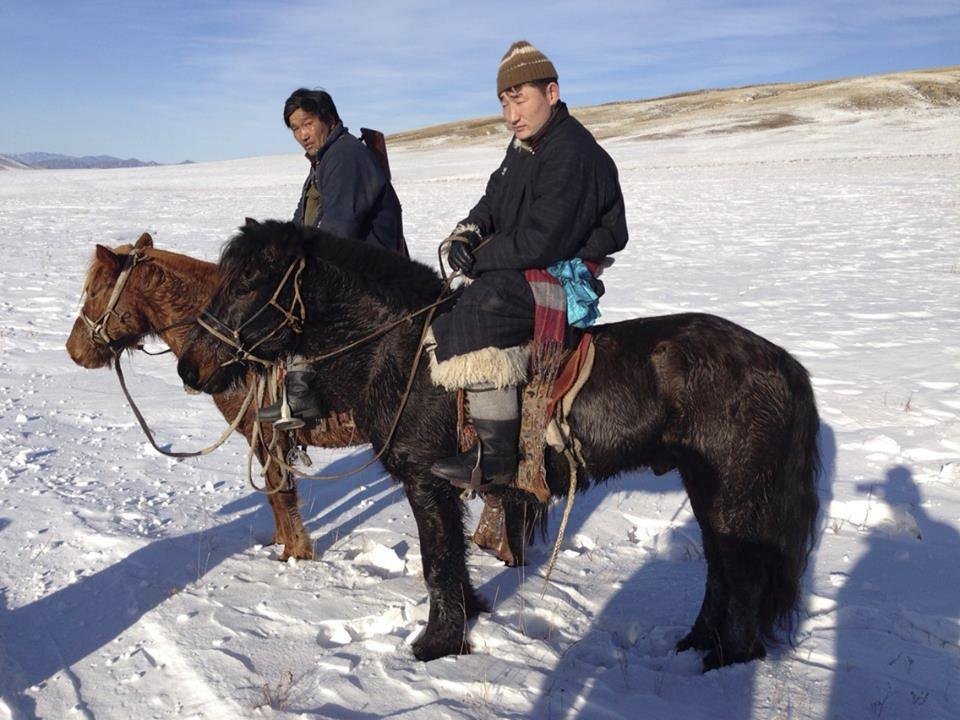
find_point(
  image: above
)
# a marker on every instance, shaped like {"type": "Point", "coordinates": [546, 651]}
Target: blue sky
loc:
{"type": "Point", "coordinates": [205, 80]}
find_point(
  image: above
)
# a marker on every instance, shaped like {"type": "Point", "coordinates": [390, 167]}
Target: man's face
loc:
{"type": "Point", "coordinates": [526, 108]}
{"type": "Point", "coordinates": [309, 130]}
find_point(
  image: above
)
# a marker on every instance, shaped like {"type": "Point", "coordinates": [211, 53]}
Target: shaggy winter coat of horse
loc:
{"type": "Point", "coordinates": [733, 413]}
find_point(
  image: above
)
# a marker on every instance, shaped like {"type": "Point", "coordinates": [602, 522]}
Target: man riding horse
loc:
{"type": "Point", "coordinates": [347, 193]}
{"type": "Point", "coordinates": [554, 202]}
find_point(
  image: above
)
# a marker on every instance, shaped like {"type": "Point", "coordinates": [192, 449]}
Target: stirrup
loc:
{"type": "Point", "coordinates": [477, 482]}
{"type": "Point", "coordinates": [286, 421]}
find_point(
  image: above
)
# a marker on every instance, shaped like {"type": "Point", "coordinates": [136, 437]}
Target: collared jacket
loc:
{"type": "Point", "coordinates": [349, 195]}
{"type": "Point", "coordinates": [553, 198]}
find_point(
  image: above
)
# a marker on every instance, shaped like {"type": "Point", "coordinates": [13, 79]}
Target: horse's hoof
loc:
{"type": "Point", "coordinates": [716, 658]}
{"type": "Point", "coordinates": [296, 553]}
{"type": "Point", "coordinates": [693, 640]}
{"type": "Point", "coordinates": [430, 647]}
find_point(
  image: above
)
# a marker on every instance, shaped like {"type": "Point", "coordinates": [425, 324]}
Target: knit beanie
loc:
{"type": "Point", "coordinates": [523, 63]}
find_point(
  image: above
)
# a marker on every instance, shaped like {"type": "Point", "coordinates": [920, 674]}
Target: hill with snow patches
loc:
{"type": "Point", "coordinates": [822, 216]}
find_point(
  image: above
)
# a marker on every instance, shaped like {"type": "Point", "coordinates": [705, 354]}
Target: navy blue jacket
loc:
{"type": "Point", "coordinates": [356, 199]}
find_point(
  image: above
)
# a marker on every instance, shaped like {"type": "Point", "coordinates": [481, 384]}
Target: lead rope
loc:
{"type": "Point", "coordinates": [256, 437]}
{"type": "Point", "coordinates": [573, 457]}
{"type": "Point", "coordinates": [146, 430]}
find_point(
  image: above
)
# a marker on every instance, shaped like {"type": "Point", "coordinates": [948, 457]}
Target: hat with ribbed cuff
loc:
{"type": "Point", "coordinates": [523, 63]}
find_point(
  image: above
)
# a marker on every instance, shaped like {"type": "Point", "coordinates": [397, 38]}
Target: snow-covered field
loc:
{"type": "Point", "coordinates": [134, 586]}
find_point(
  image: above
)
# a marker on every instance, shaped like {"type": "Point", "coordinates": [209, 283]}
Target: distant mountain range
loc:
{"type": "Point", "coordinates": [53, 161]}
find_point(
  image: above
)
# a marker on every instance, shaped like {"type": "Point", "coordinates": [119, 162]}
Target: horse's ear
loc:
{"type": "Point", "coordinates": [247, 221]}
{"type": "Point", "coordinates": [144, 241]}
{"type": "Point", "coordinates": [108, 256]}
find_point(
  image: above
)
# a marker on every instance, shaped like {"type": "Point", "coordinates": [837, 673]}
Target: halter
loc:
{"type": "Point", "coordinates": [292, 317]}
{"type": "Point", "coordinates": [98, 328]}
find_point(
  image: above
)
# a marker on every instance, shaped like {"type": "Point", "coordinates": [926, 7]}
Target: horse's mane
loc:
{"type": "Point", "coordinates": [178, 263]}
{"type": "Point", "coordinates": [381, 272]}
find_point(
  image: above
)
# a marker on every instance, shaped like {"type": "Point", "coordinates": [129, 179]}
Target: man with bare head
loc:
{"type": "Point", "coordinates": [347, 193]}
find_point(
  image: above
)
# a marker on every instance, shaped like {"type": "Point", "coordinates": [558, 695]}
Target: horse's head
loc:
{"type": "Point", "coordinates": [255, 309]}
{"type": "Point", "coordinates": [111, 319]}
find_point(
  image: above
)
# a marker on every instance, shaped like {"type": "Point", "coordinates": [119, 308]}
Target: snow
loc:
{"type": "Point", "coordinates": [133, 585]}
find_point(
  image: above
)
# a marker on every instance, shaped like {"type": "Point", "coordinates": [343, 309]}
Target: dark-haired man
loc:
{"type": "Point", "coordinates": [347, 193]}
{"type": "Point", "coordinates": [555, 199]}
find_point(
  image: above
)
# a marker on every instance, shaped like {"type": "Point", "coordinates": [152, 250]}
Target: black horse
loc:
{"type": "Point", "coordinates": [733, 413]}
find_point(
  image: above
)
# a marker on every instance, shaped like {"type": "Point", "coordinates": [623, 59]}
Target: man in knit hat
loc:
{"type": "Point", "coordinates": [555, 197]}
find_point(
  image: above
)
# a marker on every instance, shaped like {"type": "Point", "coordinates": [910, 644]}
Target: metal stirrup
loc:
{"type": "Point", "coordinates": [287, 421]}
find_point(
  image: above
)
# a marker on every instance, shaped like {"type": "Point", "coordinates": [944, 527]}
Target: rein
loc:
{"type": "Point", "coordinates": [146, 430]}
{"type": "Point", "coordinates": [232, 337]}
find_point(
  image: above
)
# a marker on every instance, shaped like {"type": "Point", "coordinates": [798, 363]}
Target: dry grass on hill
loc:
{"type": "Point", "coordinates": [732, 110]}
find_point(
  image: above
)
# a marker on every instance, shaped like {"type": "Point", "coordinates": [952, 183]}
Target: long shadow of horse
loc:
{"type": "Point", "coordinates": [897, 649]}
{"type": "Point", "coordinates": [51, 634]}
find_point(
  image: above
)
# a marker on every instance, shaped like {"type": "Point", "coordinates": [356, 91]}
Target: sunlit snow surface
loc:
{"type": "Point", "coordinates": [134, 586]}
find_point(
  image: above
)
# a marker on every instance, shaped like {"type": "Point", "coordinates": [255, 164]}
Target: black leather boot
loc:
{"type": "Point", "coordinates": [300, 397]}
{"type": "Point", "coordinates": [492, 461]}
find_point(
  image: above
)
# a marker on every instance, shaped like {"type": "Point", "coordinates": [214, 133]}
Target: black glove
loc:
{"type": "Point", "coordinates": [460, 256]}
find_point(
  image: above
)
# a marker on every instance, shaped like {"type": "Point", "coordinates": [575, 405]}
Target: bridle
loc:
{"type": "Point", "coordinates": [295, 321]}
{"type": "Point", "coordinates": [100, 336]}
{"type": "Point", "coordinates": [293, 318]}
{"type": "Point", "coordinates": [98, 327]}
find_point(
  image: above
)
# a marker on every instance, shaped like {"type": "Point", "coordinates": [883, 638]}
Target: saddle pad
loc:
{"type": "Point", "coordinates": [540, 398]}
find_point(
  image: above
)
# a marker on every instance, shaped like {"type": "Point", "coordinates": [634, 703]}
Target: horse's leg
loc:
{"type": "Point", "coordinates": [700, 482]}
{"type": "Point", "coordinates": [453, 600]}
{"type": "Point", "coordinates": [522, 520]}
{"type": "Point", "coordinates": [286, 512]}
{"type": "Point", "coordinates": [506, 527]}
{"type": "Point", "coordinates": [288, 524]}
{"type": "Point", "coordinates": [738, 635]}
{"type": "Point", "coordinates": [727, 624]}
{"type": "Point", "coordinates": [704, 633]}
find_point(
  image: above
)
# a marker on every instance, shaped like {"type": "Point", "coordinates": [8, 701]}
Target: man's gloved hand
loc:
{"type": "Point", "coordinates": [460, 255]}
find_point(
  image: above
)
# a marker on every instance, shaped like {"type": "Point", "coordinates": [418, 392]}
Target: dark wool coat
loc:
{"type": "Point", "coordinates": [553, 198]}
{"type": "Point", "coordinates": [355, 198]}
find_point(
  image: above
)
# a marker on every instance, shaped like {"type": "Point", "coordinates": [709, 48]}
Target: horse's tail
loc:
{"type": "Point", "coordinates": [795, 505]}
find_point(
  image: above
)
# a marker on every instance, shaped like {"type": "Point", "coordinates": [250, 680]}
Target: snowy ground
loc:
{"type": "Point", "coordinates": [133, 586]}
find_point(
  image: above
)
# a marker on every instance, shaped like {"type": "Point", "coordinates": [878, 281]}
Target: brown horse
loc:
{"type": "Point", "coordinates": [161, 297]}
{"type": "Point", "coordinates": [163, 293]}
